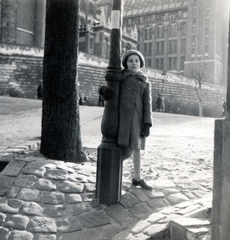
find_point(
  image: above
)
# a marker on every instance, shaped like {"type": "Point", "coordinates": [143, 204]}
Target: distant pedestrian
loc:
{"type": "Point", "coordinates": [224, 107]}
{"type": "Point", "coordinates": [162, 103]}
{"type": "Point", "coordinates": [158, 103]}
{"type": "Point", "coordinates": [39, 91]}
{"type": "Point", "coordinates": [101, 101]}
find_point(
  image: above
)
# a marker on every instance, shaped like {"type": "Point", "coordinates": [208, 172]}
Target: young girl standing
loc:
{"type": "Point", "coordinates": [135, 112]}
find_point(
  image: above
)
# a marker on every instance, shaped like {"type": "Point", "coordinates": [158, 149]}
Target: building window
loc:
{"type": "Point", "coordinates": [182, 60]}
{"type": "Point", "coordinates": [172, 46]}
{"type": "Point", "coordinates": [159, 48]}
{"type": "Point", "coordinates": [172, 63]}
{"type": "Point", "coordinates": [160, 63]}
{"type": "Point", "coordinates": [82, 5]}
{"type": "Point", "coordinates": [183, 29]}
{"type": "Point", "coordinates": [91, 8]}
{"type": "Point", "coordinates": [182, 45]}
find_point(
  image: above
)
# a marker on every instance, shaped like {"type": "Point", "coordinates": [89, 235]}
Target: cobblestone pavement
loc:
{"type": "Point", "coordinates": [44, 199]}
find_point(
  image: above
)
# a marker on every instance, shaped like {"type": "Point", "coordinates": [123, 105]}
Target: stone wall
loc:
{"type": "Point", "coordinates": [21, 73]}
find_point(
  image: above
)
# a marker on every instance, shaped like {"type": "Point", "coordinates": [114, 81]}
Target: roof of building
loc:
{"type": "Point", "coordinates": [141, 7]}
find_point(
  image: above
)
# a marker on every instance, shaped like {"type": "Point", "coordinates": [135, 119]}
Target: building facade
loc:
{"type": "Point", "coordinates": [181, 36]}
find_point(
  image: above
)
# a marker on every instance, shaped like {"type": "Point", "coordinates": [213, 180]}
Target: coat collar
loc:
{"type": "Point", "coordinates": [139, 74]}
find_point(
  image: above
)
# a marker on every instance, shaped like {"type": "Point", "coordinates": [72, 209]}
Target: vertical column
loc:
{"type": "Point", "coordinates": [221, 209]}
{"type": "Point", "coordinates": [39, 23]}
{"type": "Point", "coordinates": [8, 21]}
{"type": "Point", "coordinates": [109, 159]}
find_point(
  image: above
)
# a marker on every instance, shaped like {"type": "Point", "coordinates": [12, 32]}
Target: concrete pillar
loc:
{"type": "Point", "coordinates": [221, 185]}
{"type": "Point", "coordinates": [217, 179]}
{"type": "Point", "coordinates": [8, 21]}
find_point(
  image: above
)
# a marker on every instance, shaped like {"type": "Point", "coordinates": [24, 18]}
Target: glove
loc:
{"type": "Point", "coordinates": [145, 130]}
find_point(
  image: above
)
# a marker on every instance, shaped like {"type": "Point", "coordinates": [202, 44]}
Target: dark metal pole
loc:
{"type": "Point", "coordinates": [109, 160]}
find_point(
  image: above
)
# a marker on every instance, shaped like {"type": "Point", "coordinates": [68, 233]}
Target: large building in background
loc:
{"type": "Point", "coordinates": [182, 36]}
{"type": "Point", "coordinates": [178, 36]}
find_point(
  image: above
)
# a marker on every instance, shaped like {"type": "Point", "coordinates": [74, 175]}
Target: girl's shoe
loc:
{"type": "Point", "coordinates": [142, 183]}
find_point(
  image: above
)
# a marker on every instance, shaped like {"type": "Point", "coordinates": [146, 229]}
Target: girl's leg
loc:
{"type": "Point", "coordinates": [137, 181]}
{"type": "Point", "coordinates": [137, 164]}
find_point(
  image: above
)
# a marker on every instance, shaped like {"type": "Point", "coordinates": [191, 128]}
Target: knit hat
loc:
{"type": "Point", "coordinates": [130, 52]}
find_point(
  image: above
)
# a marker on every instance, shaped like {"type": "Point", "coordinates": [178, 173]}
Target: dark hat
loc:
{"type": "Point", "coordinates": [130, 52]}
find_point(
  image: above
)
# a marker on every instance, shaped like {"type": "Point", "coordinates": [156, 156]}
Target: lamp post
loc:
{"type": "Point", "coordinates": [164, 75]}
{"type": "Point", "coordinates": [109, 154]}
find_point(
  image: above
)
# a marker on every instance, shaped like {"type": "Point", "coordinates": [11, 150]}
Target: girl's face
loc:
{"type": "Point", "coordinates": [133, 63]}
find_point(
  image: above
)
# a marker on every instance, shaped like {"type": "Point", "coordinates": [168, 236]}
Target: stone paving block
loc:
{"type": "Point", "coordinates": [44, 236]}
{"type": "Point", "coordinates": [140, 210]}
{"type": "Point", "coordinates": [42, 225]}
{"type": "Point", "coordinates": [32, 209]}
{"type": "Point", "coordinates": [4, 233]}
{"type": "Point", "coordinates": [68, 224]}
{"type": "Point", "coordinates": [109, 230]}
{"type": "Point", "coordinates": [121, 235]}
{"type": "Point", "coordinates": [194, 233]}
{"type": "Point", "coordinates": [5, 208]}
{"type": "Point", "coordinates": [4, 185]}
{"type": "Point", "coordinates": [2, 218]}
{"type": "Point", "coordinates": [139, 236]}
{"type": "Point", "coordinates": [90, 187]}
{"type": "Point", "coordinates": [191, 222]}
{"type": "Point", "coordinates": [138, 193]}
{"type": "Point", "coordinates": [13, 192]}
{"type": "Point", "coordinates": [15, 203]}
{"type": "Point", "coordinates": [199, 213]}
{"type": "Point", "coordinates": [73, 198]}
{"type": "Point", "coordinates": [158, 231]}
{"type": "Point", "coordinates": [92, 179]}
{"type": "Point", "coordinates": [79, 208]}
{"type": "Point", "coordinates": [55, 211]}
{"type": "Point", "coordinates": [15, 150]}
{"type": "Point", "coordinates": [94, 219]}
{"type": "Point", "coordinates": [158, 203]}
{"type": "Point", "coordinates": [45, 185]}
{"type": "Point", "coordinates": [169, 191]}
{"type": "Point", "coordinates": [186, 203]}
{"type": "Point", "coordinates": [83, 235]}
{"type": "Point", "coordinates": [27, 181]}
{"type": "Point", "coordinates": [189, 194]}
{"type": "Point", "coordinates": [155, 217]}
{"type": "Point", "coordinates": [34, 168]}
{"type": "Point", "coordinates": [13, 168]}
{"type": "Point", "coordinates": [16, 234]}
{"type": "Point", "coordinates": [163, 184]}
{"type": "Point", "coordinates": [188, 209]}
{"type": "Point", "coordinates": [30, 195]}
{"type": "Point", "coordinates": [71, 187]}
{"type": "Point", "coordinates": [26, 148]}
{"type": "Point", "coordinates": [140, 226]}
{"type": "Point", "coordinates": [52, 197]}
{"type": "Point", "coordinates": [155, 194]}
{"type": "Point", "coordinates": [17, 222]}
{"type": "Point", "coordinates": [56, 174]}
{"type": "Point", "coordinates": [77, 178]}
{"type": "Point", "coordinates": [88, 197]}
{"type": "Point", "coordinates": [62, 165]}
{"type": "Point", "coordinates": [176, 198]}
{"type": "Point", "coordinates": [169, 218]}
{"type": "Point", "coordinates": [128, 200]}
{"type": "Point", "coordinates": [120, 215]}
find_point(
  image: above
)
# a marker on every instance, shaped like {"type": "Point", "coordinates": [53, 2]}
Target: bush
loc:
{"type": "Point", "coordinates": [15, 90]}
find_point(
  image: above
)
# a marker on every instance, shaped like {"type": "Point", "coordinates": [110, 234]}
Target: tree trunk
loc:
{"type": "Point", "coordinates": [61, 138]}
